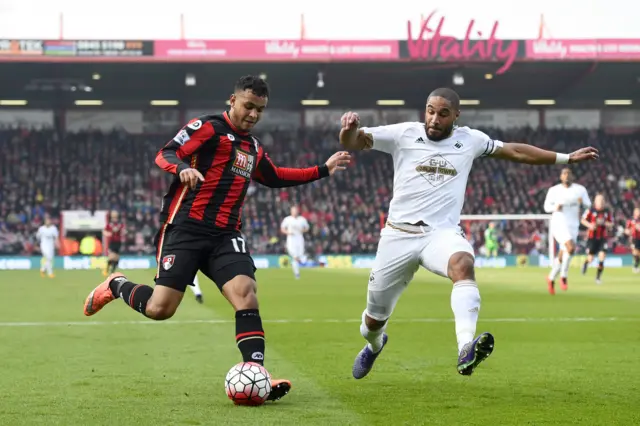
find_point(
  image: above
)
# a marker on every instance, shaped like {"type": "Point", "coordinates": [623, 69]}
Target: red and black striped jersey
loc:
{"type": "Point", "coordinates": [116, 230]}
{"type": "Point", "coordinates": [229, 159]}
{"type": "Point", "coordinates": [599, 219]}
{"type": "Point", "coordinates": [633, 225]}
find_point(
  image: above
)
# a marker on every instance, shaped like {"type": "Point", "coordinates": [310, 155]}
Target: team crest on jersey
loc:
{"type": "Point", "coordinates": [231, 137]}
{"type": "Point", "coordinates": [167, 261]}
{"type": "Point", "coordinates": [243, 164]}
{"type": "Point", "coordinates": [437, 170]}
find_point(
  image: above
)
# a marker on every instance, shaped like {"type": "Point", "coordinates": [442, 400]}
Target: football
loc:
{"type": "Point", "coordinates": [248, 383]}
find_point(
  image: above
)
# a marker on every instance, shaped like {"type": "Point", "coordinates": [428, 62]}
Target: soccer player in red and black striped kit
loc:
{"type": "Point", "coordinates": [633, 231]}
{"type": "Point", "coordinates": [114, 232]}
{"type": "Point", "coordinates": [213, 158]}
{"type": "Point", "coordinates": [597, 219]}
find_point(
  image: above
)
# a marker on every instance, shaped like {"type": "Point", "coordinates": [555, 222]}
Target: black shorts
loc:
{"type": "Point", "coordinates": [636, 244]}
{"type": "Point", "coordinates": [115, 247]}
{"type": "Point", "coordinates": [595, 245]}
{"type": "Point", "coordinates": [182, 252]}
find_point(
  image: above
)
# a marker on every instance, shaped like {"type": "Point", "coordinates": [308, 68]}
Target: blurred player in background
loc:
{"type": "Point", "coordinates": [597, 220]}
{"type": "Point", "coordinates": [114, 232]}
{"type": "Point", "coordinates": [294, 226]}
{"type": "Point", "coordinates": [491, 240]}
{"type": "Point", "coordinates": [564, 201]}
{"type": "Point", "coordinates": [633, 231]}
{"type": "Point", "coordinates": [195, 287]}
{"type": "Point", "coordinates": [49, 241]}
{"type": "Point", "coordinates": [213, 158]}
{"type": "Point", "coordinates": [432, 162]}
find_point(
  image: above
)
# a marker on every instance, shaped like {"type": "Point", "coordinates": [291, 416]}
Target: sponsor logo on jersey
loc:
{"type": "Point", "coordinates": [243, 164]}
{"type": "Point", "coordinates": [437, 170]}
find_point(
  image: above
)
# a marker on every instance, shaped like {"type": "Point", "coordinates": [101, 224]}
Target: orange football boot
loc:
{"type": "Point", "coordinates": [279, 388]}
{"type": "Point", "coordinates": [100, 296]}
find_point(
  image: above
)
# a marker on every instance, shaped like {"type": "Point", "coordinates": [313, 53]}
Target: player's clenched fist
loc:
{"type": "Point", "coordinates": [190, 177]}
{"type": "Point", "coordinates": [338, 161]}
{"type": "Point", "coordinates": [350, 120]}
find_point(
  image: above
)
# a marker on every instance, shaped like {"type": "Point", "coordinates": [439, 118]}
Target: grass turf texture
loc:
{"type": "Point", "coordinates": [568, 359]}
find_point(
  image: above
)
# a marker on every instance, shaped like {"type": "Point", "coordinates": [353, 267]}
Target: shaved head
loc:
{"type": "Point", "coordinates": [448, 94]}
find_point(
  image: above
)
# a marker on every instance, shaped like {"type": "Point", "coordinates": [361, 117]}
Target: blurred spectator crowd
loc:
{"type": "Point", "coordinates": [45, 172]}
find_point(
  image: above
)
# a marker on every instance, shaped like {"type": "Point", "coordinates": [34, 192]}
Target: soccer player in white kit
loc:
{"type": "Point", "coordinates": [564, 201]}
{"type": "Point", "coordinates": [294, 226]}
{"type": "Point", "coordinates": [48, 236]}
{"type": "Point", "coordinates": [432, 161]}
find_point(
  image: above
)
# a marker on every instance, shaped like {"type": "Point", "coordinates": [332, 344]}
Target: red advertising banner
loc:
{"type": "Point", "coordinates": [275, 50]}
{"type": "Point", "coordinates": [603, 49]}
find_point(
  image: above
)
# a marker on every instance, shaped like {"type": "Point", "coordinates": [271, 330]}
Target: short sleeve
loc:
{"type": "Point", "coordinates": [483, 144]}
{"type": "Point", "coordinates": [285, 223]}
{"type": "Point", "coordinates": [385, 138]}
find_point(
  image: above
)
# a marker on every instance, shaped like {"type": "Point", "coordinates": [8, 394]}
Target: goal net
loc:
{"type": "Point", "coordinates": [516, 234]}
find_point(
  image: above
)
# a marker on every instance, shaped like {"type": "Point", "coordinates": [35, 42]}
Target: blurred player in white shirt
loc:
{"type": "Point", "coordinates": [48, 236]}
{"type": "Point", "coordinates": [432, 162]}
{"type": "Point", "coordinates": [564, 202]}
{"type": "Point", "coordinates": [294, 227]}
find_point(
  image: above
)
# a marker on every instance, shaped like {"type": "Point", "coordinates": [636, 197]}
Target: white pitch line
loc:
{"type": "Point", "coordinates": [308, 321]}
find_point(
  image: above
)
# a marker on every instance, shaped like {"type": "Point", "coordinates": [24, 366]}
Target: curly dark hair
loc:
{"type": "Point", "coordinates": [254, 83]}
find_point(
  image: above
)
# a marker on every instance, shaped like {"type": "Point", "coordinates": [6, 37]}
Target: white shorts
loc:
{"type": "Point", "coordinates": [295, 249]}
{"type": "Point", "coordinates": [398, 258]}
{"type": "Point", "coordinates": [563, 233]}
{"type": "Point", "coordinates": [47, 252]}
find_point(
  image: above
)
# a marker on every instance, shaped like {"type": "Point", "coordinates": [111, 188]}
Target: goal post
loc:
{"type": "Point", "coordinates": [513, 217]}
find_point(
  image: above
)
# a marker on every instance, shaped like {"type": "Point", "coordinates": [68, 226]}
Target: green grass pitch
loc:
{"type": "Point", "coordinates": [563, 360]}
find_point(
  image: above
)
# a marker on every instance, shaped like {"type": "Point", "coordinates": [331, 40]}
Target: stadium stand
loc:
{"type": "Point", "coordinates": [42, 171]}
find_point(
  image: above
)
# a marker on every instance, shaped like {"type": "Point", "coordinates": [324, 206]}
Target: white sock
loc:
{"type": "Point", "coordinates": [465, 304]}
{"type": "Point", "coordinates": [49, 265]}
{"type": "Point", "coordinates": [296, 267]}
{"type": "Point", "coordinates": [43, 264]}
{"type": "Point", "coordinates": [196, 287]}
{"type": "Point", "coordinates": [564, 270]}
{"type": "Point", "coordinates": [374, 337]}
{"type": "Point", "coordinates": [555, 269]}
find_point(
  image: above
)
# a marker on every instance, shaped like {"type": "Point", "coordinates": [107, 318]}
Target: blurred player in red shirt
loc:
{"type": "Point", "coordinates": [597, 219]}
{"type": "Point", "coordinates": [114, 232]}
{"type": "Point", "coordinates": [633, 231]}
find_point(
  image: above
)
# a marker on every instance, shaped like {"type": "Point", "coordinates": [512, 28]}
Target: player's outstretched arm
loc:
{"type": "Point", "coordinates": [529, 154]}
{"type": "Point", "coordinates": [351, 137]}
{"type": "Point", "coordinates": [268, 174]}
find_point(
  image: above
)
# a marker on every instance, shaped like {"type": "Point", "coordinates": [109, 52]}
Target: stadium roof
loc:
{"type": "Point", "coordinates": [354, 85]}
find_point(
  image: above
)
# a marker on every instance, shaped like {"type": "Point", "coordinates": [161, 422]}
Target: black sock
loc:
{"type": "Point", "coordinates": [585, 265]}
{"type": "Point", "coordinates": [636, 261]}
{"type": "Point", "coordinates": [113, 264]}
{"type": "Point", "coordinates": [250, 335]}
{"type": "Point", "coordinates": [134, 295]}
{"type": "Point", "coordinates": [600, 269]}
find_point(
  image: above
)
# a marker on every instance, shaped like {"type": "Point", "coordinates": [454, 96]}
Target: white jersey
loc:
{"type": "Point", "coordinates": [571, 198]}
{"type": "Point", "coordinates": [47, 236]}
{"type": "Point", "coordinates": [296, 226]}
{"type": "Point", "coordinates": [430, 178]}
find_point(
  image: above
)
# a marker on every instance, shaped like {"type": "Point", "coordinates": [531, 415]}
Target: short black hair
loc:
{"type": "Point", "coordinates": [254, 83]}
{"type": "Point", "coordinates": [449, 94]}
